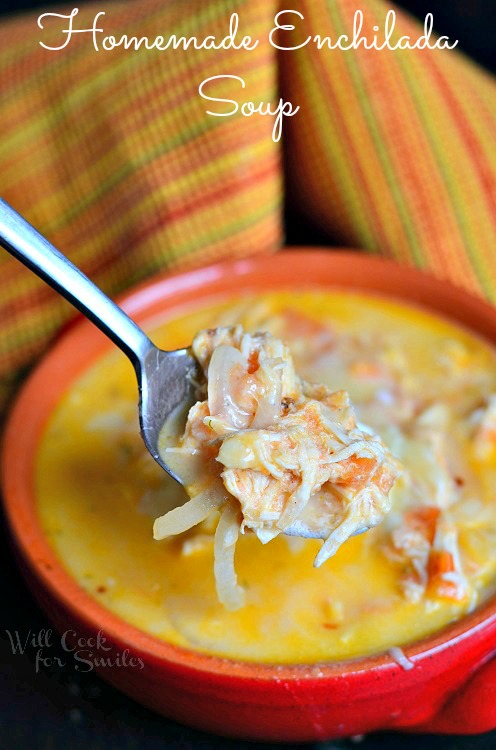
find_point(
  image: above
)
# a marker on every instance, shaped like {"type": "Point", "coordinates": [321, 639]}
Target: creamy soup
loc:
{"type": "Point", "coordinates": [425, 386]}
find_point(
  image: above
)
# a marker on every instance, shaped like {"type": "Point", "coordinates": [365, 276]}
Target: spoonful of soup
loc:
{"type": "Point", "coordinates": [230, 420]}
{"type": "Point", "coordinates": [271, 453]}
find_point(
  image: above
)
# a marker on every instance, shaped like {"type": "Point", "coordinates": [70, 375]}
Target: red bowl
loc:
{"type": "Point", "coordinates": [452, 686]}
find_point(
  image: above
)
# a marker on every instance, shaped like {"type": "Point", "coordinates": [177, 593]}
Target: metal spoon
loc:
{"type": "Point", "coordinates": [165, 379]}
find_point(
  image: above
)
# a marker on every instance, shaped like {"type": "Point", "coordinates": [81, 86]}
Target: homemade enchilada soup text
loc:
{"type": "Point", "coordinates": [426, 387]}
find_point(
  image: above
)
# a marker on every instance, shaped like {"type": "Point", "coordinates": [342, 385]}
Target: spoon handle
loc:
{"type": "Point", "coordinates": [25, 243]}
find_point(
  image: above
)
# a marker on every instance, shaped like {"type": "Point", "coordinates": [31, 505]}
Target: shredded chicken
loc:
{"type": "Point", "coordinates": [278, 452]}
{"type": "Point", "coordinates": [427, 545]}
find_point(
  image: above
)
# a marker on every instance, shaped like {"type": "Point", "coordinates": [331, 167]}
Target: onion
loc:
{"type": "Point", "coordinates": [227, 366]}
{"type": "Point", "coordinates": [188, 515]}
{"type": "Point", "coordinates": [269, 401]}
{"type": "Point", "coordinates": [398, 655]}
{"type": "Point", "coordinates": [230, 593]}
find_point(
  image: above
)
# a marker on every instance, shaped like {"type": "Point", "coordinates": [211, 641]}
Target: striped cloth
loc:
{"type": "Point", "coordinates": [111, 154]}
{"type": "Point", "coordinates": [394, 151]}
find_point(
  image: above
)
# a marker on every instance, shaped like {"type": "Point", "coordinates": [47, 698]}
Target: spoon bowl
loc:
{"type": "Point", "coordinates": [165, 381]}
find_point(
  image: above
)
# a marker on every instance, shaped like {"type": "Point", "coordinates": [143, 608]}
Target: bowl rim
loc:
{"type": "Point", "coordinates": [170, 291]}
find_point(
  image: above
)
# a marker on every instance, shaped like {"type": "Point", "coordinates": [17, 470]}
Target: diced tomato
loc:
{"type": "Point", "coordinates": [356, 471]}
{"type": "Point", "coordinates": [424, 520]}
{"type": "Point", "coordinates": [253, 362]}
{"type": "Point", "coordinates": [440, 561]}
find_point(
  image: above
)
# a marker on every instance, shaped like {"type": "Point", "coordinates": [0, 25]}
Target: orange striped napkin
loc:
{"type": "Point", "coordinates": [112, 156]}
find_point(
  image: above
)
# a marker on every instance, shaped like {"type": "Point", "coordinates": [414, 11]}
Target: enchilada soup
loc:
{"type": "Point", "coordinates": [424, 385]}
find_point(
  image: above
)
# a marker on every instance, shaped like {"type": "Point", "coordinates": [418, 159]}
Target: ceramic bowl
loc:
{"type": "Point", "coordinates": [452, 685]}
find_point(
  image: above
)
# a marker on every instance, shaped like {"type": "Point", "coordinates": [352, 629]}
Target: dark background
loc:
{"type": "Point", "coordinates": [59, 707]}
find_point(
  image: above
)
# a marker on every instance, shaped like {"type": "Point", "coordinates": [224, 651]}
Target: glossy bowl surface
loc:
{"type": "Point", "coordinates": [452, 686]}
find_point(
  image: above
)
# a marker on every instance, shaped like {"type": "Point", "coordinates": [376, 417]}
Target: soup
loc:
{"type": "Point", "coordinates": [424, 385]}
